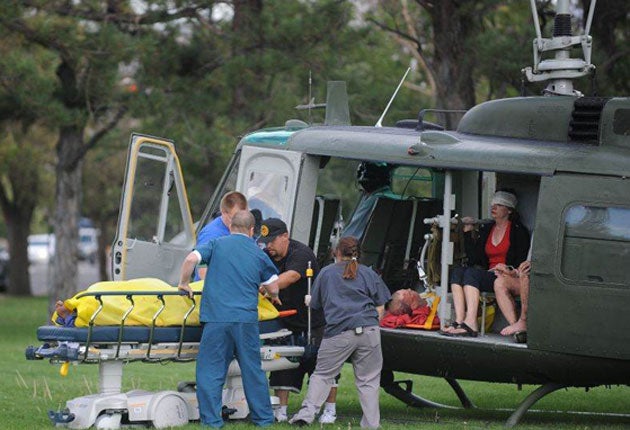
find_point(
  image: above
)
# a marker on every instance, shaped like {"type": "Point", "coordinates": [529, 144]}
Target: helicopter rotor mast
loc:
{"type": "Point", "coordinates": [560, 70]}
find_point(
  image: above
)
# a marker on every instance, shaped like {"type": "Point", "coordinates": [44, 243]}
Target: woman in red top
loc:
{"type": "Point", "coordinates": [502, 241]}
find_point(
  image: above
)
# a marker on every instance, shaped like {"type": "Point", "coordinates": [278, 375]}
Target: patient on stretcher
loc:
{"type": "Point", "coordinates": [408, 308]}
{"type": "Point", "coordinates": [77, 311]}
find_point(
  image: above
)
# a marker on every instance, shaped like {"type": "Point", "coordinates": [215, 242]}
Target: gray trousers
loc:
{"type": "Point", "coordinates": [364, 350]}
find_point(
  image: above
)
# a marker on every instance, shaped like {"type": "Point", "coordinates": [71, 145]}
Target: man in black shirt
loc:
{"type": "Point", "coordinates": [292, 259]}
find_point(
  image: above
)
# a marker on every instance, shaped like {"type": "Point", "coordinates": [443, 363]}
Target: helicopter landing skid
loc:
{"type": "Point", "coordinates": [402, 390]}
{"type": "Point", "coordinates": [532, 398]}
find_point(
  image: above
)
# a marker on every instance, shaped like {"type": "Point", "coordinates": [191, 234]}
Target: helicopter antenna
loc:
{"type": "Point", "coordinates": [379, 123]}
{"type": "Point", "coordinates": [561, 70]}
{"type": "Point", "coordinates": [310, 86]}
{"type": "Point", "coordinates": [311, 100]}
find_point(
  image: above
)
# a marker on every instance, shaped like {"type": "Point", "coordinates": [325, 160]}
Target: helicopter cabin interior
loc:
{"type": "Point", "coordinates": [316, 205]}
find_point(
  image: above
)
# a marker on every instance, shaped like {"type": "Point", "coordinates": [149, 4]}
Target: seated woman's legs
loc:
{"type": "Point", "coordinates": [521, 324]}
{"type": "Point", "coordinates": [459, 303]}
{"type": "Point", "coordinates": [505, 287]}
{"type": "Point", "coordinates": [474, 280]}
{"type": "Point", "coordinates": [472, 306]}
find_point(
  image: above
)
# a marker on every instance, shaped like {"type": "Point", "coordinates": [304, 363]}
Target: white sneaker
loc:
{"type": "Point", "coordinates": [327, 417]}
{"type": "Point", "coordinates": [281, 417]}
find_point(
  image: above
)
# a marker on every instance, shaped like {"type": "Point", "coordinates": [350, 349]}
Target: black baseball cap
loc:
{"type": "Point", "coordinates": [270, 229]}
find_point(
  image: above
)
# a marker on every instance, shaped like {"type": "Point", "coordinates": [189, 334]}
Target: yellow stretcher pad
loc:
{"type": "Point", "coordinates": [144, 306]}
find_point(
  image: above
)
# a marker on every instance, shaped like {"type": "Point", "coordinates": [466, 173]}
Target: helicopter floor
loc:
{"type": "Point", "coordinates": [495, 358]}
{"type": "Point", "coordinates": [487, 338]}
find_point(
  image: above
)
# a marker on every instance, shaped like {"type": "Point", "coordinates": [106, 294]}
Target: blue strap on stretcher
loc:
{"type": "Point", "coordinates": [60, 417]}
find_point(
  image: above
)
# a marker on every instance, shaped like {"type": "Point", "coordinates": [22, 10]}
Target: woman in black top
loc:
{"type": "Point", "coordinates": [504, 240]}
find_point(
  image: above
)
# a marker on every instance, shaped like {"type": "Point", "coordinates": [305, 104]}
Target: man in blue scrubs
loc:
{"type": "Point", "coordinates": [229, 314]}
{"type": "Point", "coordinates": [231, 203]}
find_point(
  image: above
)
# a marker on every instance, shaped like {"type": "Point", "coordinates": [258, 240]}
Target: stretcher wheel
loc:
{"type": "Point", "coordinates": [108, 421]}
{"type": "Point", "coordinates": [169, 410]}
{"type": "Point", "coordinates": [187, 386]}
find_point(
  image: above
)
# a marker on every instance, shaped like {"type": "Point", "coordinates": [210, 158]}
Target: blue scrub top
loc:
{"type": "Point", "coordinates": [236, 268]}
{"type": "Point", "coordinates": [213, 230]}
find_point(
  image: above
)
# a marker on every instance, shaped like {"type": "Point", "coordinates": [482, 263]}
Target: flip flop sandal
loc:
{"type": "Point", "coordinates": [454, 325]}
{"type": "Point", "coordinates": [520, 337]}
{"type": "Point", "coordinates": [469, 332]}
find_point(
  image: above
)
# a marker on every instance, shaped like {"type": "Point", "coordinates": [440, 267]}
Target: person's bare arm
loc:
{"type": "Point", "coordinates": [524, 268]}
{"type": "Point", "coordinates": [505, 270]}
{"type": "Point", "coordinates": [381, 311]}
{"type": "Point", "coordinates": [272, 289]}
{"type": "Point", "coordinates": [188, 266]}
{"type": "Point", "coordinates": [288, 278]}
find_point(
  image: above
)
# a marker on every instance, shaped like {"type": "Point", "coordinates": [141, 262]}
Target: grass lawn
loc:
{"type": "Point", "coordinates": [28, 389]}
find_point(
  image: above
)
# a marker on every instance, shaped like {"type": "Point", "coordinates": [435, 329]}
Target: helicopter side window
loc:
{"type": "Point", "coordinates": [154, 192]}
{"type": "Point", "coordinates": [267, 192]}
{"type": "Point", "coordinates": [413, 181]}
{"type": "Point", "coordinates": [605, 232]}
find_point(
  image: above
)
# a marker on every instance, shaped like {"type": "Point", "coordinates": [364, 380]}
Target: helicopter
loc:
{"type": "Point", "coordinates": [566, 155]}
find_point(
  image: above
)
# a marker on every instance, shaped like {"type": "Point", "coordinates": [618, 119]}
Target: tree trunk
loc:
{"type": "Point", "coordinates": [66, 217]}
{"type": "Point", "coordinates": [247, 24]}
{"type": "Point", "coordinates": [446, 53]}
{"type": "Point", "coordinates": [452, 63]}
{"type": "Point", "coordinates": [19, 195]}
{"type": "Point", "coordinates": [18, 229]}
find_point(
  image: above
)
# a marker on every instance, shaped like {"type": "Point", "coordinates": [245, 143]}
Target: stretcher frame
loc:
{"type": "Point", "coordinates": [110, 347]}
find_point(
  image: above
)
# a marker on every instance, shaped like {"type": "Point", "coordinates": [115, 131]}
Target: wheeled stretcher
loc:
{"type": "Point", "coordinates": [112, 346]}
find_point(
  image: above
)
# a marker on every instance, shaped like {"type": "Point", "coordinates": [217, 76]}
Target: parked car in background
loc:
{"type": "Point", "coordinates": [41, 247]}
{"type": "Point", "coordinates": [88, 243]}
{"type": "Point", "coordinates": [4, 267]}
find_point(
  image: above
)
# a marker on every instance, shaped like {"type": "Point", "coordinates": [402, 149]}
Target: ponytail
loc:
{"type": "Point", "coordinates": [348, 250]}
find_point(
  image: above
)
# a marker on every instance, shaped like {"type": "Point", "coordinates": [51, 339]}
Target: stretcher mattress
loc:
{"type": "Point", "coordinates": [132, 334]}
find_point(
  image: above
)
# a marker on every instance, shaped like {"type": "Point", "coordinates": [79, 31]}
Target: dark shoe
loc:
{"type": "Point", "coordinates": [454, 325]}
{"type": "Point", "coordinates": [468, 332]}
{"type": "Point", "coordinates": [299, 423]}
{"type": "Point", "coordinates": [520, 337]}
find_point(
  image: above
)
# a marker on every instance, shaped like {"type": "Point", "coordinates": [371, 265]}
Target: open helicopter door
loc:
{"type": "Point", "coordinates": [155, 229]}
{"type": "Point", "coordinates": [579, 283]}
{"type": "Point", "coordinates": [280, 184]}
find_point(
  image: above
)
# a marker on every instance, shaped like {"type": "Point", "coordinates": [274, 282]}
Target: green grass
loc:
{"type": "Point", "coordinates": [28, 389]}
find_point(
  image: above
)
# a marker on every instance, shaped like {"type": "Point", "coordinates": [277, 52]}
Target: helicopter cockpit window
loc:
{"type": "Point", "coordinates": [267, 192]}
{"type": "Point", "coordinates": [605, 232]}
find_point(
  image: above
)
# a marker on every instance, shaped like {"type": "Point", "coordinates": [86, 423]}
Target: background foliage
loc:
{"type": "Point", "coordinates": [77, 77]}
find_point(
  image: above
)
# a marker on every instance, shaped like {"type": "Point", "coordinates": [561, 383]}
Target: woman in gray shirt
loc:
{"type": "Point", "coordinates": [352, 297]}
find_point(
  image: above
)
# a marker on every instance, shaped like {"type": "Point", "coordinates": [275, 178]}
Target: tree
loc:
{"type": "Point", "coordinates": [241, 72]}
{"type": "Point", "coordinates": [103, 181]}
{"type": "Point", "coordinates": [611, 55]}
{"type": "Point", "coordinates": [25, 147]}
{"type": "Point", "coordinates": [25, 151]}
{"type": "Point", "coordinates": [439, 35]}
{"type": "Point", "coordinates": [85, 42]}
